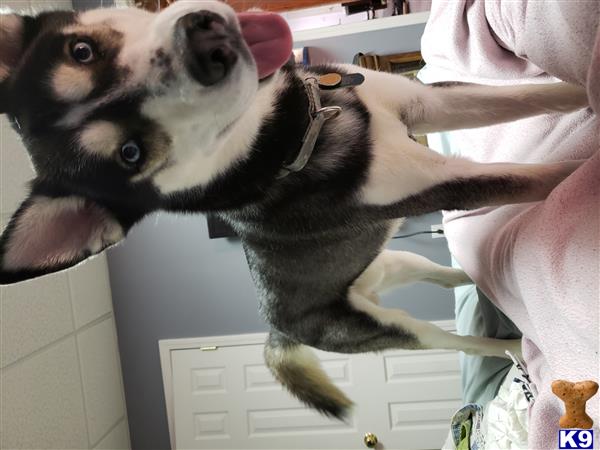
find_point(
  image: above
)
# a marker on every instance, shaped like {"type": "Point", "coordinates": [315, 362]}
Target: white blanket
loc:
{"type": "Point", "coordinates": [505, 420]}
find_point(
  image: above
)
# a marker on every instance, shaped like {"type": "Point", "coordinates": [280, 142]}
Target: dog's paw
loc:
{"type": "Point", "coordinates": [514, 347]}
{"type": "Point", "coordinates": [455, 278]}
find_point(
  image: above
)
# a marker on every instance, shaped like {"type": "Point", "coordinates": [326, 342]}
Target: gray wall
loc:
{"type": "Point", "coordinates": [91, 4]}
{"type": "Point", "coordinates": [169, 281]}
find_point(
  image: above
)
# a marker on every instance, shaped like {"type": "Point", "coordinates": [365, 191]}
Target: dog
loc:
{"type": "Point", "coordinates": [193, 110]}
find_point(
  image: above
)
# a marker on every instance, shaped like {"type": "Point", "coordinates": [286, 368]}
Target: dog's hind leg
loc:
{"type": "Point", "coordinates": [356, 325]}
{"type": "Point", "coordinates": [431, 336]}
{"type": "Point", "coordinates": [396, 268]}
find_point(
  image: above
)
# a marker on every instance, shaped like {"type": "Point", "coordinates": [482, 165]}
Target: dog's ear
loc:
{"type": "Point", "coordinates": [12, 46]}
{"type": "Point", "coordinates": [48, 234]}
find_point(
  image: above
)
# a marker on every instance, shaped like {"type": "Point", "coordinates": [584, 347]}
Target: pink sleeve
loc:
{"type": "Point", "coordinates": [539, 263]}
{"type": "Point", "coordinates": [556, 36]}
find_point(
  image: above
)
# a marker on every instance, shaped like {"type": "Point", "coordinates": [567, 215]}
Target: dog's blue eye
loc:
{"type": "Point", "coordinates": [131, 153]}
{"type": "Point", "coordinates": [82, 52]}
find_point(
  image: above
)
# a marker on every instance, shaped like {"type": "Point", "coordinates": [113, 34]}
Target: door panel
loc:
{"type": "Point", "coordinates": [227, 399]}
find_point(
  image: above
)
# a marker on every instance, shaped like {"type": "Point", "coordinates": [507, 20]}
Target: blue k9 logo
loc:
{"type": "Point", "coordinates": [575, 438]}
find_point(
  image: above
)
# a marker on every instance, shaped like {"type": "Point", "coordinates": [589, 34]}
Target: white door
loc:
{"type": "Point", "coordinates": [227, 399]}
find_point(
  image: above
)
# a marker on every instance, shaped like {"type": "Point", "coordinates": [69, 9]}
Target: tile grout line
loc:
{"type": "Point", "coordinates": [58, 341]}
{"type": "Point", "coordinates": [79, 365]}
{"type": "Point", "coordinates": [110, 430]}
{"type": "Point", "coordinates": [83, 396]}
{"type": "Point", "coordinates": [123, 417]}
{"type": "Point", "coordinates": [120, 367]}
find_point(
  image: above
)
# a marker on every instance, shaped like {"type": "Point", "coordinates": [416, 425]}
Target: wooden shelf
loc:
{"type": "Point", "coordinates": [383, 23]}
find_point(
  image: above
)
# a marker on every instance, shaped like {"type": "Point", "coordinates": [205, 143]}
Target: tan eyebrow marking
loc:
{"type": "Point", "coordinates": [71, 83]}
{"type": "Point", "coordinates": [101, 138]}
{"type": "Point", "coordinates": [74, 82]}
{"type": "Point", "coordinates": [109, 42]}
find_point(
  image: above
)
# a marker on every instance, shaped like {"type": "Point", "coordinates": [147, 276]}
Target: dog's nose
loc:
{"type": "Point", "coordinates": [210, 55]}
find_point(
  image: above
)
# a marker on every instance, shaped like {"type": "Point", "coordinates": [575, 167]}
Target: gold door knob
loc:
{"type": "Point", "coordinates": [370, 440]}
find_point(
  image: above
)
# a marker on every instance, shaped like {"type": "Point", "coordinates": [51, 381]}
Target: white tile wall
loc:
{"type": "Point", "coordinates": [36, 5]}
{"type": "Point", "coordinates": [40, 5]}
{"type": "Point", "coordinates": [42, 405]}
{"type": "Point", "coordinates": [15, 4]}
{"type": "Point", "coordinates": [101, 374]}
{"type": "Point", "coordinates": [61, 383]}
{"type": "Point", "coordinates": [89, 284]}
{"type": "Point", "coordinates": [33, 315]}
{"type": "Point", "coordinates": [116, 439]}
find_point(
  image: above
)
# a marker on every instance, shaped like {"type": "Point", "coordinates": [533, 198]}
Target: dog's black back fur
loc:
{"type": "Point", "coordinates": [296, 230]}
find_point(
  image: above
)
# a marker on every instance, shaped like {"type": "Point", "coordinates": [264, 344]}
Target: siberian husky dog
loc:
{"type": "Point", "coordinates": [193, 110]}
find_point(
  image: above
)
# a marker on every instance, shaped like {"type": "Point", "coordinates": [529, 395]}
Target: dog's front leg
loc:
{"type": "Point", "coordinates": [408, 179]}
{"type": "Point", "coordinates": [461, 106]}
{"type": "Point", "coordinates": [451, 106]}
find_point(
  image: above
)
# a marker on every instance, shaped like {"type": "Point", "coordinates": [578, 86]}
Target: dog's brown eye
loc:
{"type": "Point", "coordinates": [131, 153]}
{"type": "Point", "coordinates": [82, 52]}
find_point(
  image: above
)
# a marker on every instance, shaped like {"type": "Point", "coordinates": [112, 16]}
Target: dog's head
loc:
{"type": "Point", "coordinates": [121, 111]}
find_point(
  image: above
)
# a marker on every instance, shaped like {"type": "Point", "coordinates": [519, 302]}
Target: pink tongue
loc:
{"type": "Point", "coordinates": [269, 39]}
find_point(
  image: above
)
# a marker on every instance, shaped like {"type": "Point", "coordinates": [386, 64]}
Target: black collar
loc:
{"type": "Point", "coordinates": [318, 115]}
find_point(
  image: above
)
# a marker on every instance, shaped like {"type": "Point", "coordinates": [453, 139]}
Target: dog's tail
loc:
{"type": "Point", "coordinates": [299, 370]}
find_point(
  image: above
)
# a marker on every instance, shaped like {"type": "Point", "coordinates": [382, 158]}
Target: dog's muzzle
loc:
{"type": "Point", "coordinates": [210, 46]}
